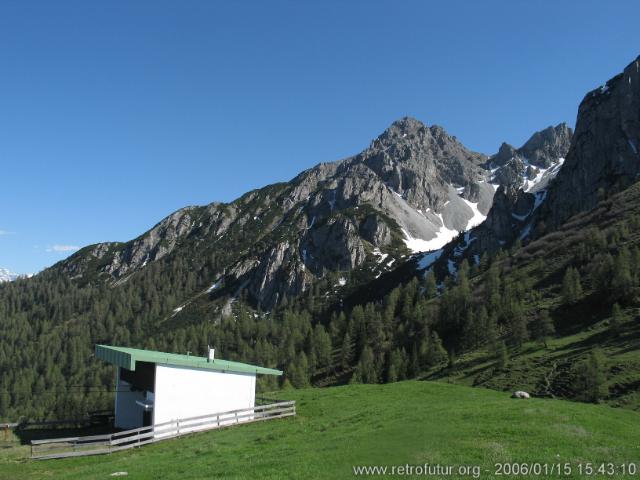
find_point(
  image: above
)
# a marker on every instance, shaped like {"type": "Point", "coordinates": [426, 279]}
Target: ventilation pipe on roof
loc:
{"type": "Point", "coordinates": [210, 354]}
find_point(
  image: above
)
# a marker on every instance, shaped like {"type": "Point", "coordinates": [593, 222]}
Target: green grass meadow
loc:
{"type": "Point", "coordinates": [412, 422]}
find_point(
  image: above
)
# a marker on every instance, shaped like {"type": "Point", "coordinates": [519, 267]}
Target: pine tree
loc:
{"type": "Point", "coordinates": [430, 285]}
{"type": "Point", "coordinates": [322, 346]}
{"type": "Point", "coordinates": [346, 353]}
{"type": "Point", "coordinates": [519, 333]}
{"type": "Point", "coordinates": [356, 377]}
{"type": "Point", "coordinates": [394, 366]}
{"type": "Point", "coordinates": [592, 377]}
{"type": "Point", "coordinates": [501, 355]}
{"type": "Point", "coordinates": [616, 318]}
{"type": "Point", "coordinates": [603, 270]}
{"type": "Point", "coordinates": [436, 352]}
{"type": "Point", "coordinates": [366, 366]}
{"type": "Point", "coordinates": [413, 367]}
{"type": "Point", "coordinates": [452, 359]}
{"type": "Point", "coordinates": [544, 327]}
{"type": "Point", "coordinates": [622, 281]}
{"type": "Point", "coordinates": [571, 286]}
{"type": "Point", "coordinates": [299, 371]}
{"type": "Point", "coordinates": [488, 324]}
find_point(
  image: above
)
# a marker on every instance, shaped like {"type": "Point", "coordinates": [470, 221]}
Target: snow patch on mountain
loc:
{"type": "Point", "coordinates": [477, 217]}
{"type": "Point", "coordinates": [443, 236]}
{"type": "Point", "coordinates": [8, 276]}
{"type": "Point", "coordinates": [544, 176]}
{"type": "Point", "coordinates": [381, 256]}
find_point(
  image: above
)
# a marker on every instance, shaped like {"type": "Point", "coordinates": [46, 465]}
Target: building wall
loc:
{"type": "Point", "coordinates": [189, 392]}
{"type": "Point", "coordinates": [128, 414]}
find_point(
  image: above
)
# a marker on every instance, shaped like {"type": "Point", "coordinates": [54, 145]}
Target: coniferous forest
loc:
{"type": "Point", "coordinates": [511, 304]}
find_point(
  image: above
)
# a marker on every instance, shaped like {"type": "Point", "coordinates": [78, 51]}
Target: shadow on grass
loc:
{"type": "Point", "coordinates": [25, 435]}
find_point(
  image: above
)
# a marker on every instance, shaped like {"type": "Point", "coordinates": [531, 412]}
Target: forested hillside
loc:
{"type": "Point", "coordinates": [315, 276]}
{"type": "Point", "coordinates": [511, 304]}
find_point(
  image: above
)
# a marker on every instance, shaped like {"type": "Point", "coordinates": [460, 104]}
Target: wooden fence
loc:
{"type": "Point", "coordinates": [114, 442]}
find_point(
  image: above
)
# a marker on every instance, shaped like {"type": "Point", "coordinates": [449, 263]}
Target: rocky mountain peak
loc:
{"type": "Point", "coordinates": [601, 158]}
{"type": "Point", "coordinates": [536, 162]}
{"type": "Point", "coordinates": [504, 155]}
{"type": "Point", "coordinates": [605, 151]}
{"type": "Point", "coordinates": [402, 128]}
{"type": "Point", "coordinates": [547, 146]}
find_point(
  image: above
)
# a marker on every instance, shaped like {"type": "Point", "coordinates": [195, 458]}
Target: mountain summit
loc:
{"type": "Point", "coordinates": [415, 188]}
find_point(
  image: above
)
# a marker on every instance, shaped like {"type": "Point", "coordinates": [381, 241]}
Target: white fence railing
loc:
{"type": "Point", "coordinates": [114, 442]}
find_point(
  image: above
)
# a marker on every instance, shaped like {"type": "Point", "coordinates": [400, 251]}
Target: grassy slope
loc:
{"type": "Point", "coordinates": [533, 364]}
{"type": "Point", "coordinates": [581, 327]}
{"type": "Point", "coordinates": [410, 422]}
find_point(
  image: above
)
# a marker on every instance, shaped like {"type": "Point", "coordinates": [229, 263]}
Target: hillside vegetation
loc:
{"type": "Point", "coordinates": [337, 428]}
{"type": "Point", "coordinates": [553, 308]}
{"type": "Point", "coordinates": [573, 290]}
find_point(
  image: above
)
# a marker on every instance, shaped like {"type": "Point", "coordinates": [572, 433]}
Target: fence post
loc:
{"type": "Point", "coordinates": [178, 427]}
{"type": "Point", "coordinates": [218, 419]}
{"type": "Point", "coordinates": [237, 421]}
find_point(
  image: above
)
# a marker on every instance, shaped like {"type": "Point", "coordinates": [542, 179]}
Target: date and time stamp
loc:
{"type": "Point", "coordinates": [567, 469]}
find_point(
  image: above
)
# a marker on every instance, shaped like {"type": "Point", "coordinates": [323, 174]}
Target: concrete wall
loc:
{"type": "Point", "coordinates": [128, 414]}
{"type": "Point", "coordinates": [188, 392]}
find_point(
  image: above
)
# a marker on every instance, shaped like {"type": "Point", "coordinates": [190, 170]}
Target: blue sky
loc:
{"type": "Point", "coordinates": [113, 114]}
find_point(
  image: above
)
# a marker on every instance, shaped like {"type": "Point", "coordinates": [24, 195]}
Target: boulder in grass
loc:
{"type": "Point", "coordinates": [520, 394]}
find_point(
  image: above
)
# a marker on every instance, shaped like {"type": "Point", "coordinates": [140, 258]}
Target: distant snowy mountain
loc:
{"type": "Point", "coordinates": [7, 276]}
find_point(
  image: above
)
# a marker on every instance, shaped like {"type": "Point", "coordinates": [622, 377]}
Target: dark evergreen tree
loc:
{"type": "Point", "coordinates": [616, 318]}
{"type": "Point", "coordinates": [544, 327]}
{"type": "Point", "coordinates": [366, 368]}
{"type": "Point", "coordinates": [571, 286]}
{"type": "Point", "coordinates": [436, 353]}
{"type": "Point", "coordinates": [592, 379]}
{"type": "Point", "coordinates": [501, 355]}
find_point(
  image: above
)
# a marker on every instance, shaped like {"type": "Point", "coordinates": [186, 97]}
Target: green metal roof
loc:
{"type": "Point", "coordinates": [127, 357]}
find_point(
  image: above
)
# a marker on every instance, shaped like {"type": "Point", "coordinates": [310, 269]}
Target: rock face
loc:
{"type": "Point", "coordinates": [414, 184]}
{"type": "Point", "coordinates": [511, 207]}
{"type": "Point", "coordinates": [122, 259]}
{"type": "Point", "coordinates": [545, 147]}
{"type": "Point", "coordinates": [420, 163]}
{"type": "Point", "coordinates": [605, 151]}
{"type": "Point", "coordinates": [602, 159]}
{"type": "Point", "coordinates": [532, 166]}
{"type": "Point", "coordinates": [524, 175]}
{"type": "Point", "coordinates": [415, 188]}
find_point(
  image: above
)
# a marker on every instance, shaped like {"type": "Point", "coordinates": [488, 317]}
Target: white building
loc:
{"type": "Point", "coordinates": [157, 387]}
